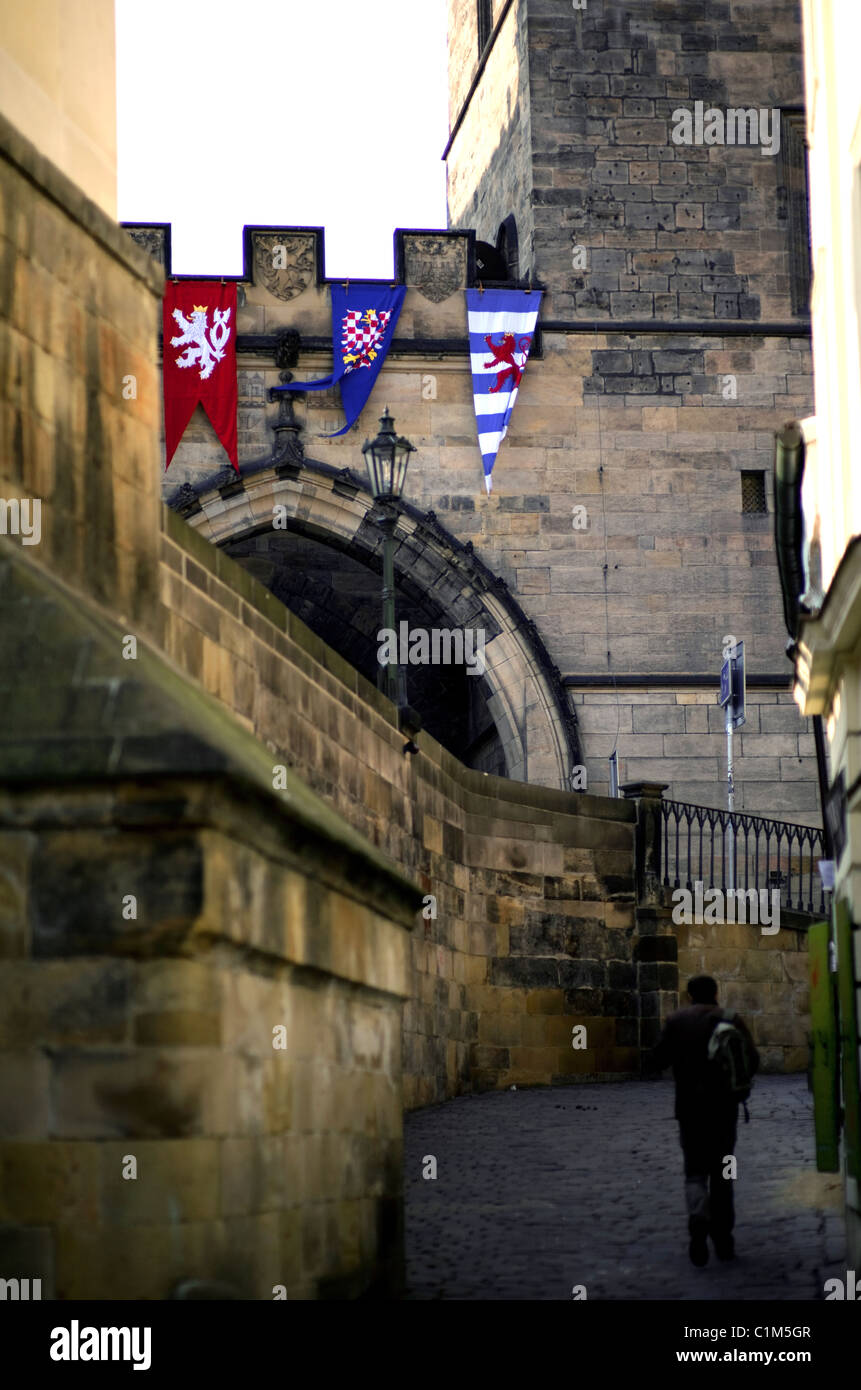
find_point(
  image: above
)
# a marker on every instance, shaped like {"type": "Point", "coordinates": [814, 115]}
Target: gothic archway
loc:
{"type": "Point", "coordinates": [324, 561]}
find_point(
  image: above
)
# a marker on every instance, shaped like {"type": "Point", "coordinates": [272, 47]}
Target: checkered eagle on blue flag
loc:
{"type": "Point", "coordinates": [363, 325]}
{"type": "Point", "coordinates": [501, 325]}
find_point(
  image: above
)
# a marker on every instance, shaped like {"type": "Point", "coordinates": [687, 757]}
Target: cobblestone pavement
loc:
{"type": "Point", "coordinates": [540, 1190]}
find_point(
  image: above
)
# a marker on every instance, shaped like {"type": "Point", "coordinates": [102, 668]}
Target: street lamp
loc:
{"type": "Point", "coordinates": [387, 458]}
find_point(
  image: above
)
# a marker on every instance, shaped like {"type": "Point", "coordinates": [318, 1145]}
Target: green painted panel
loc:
{"type": "Point", "coordinates": [849, 1043]}
{"type": "Point", "coordinates": [823, 1023]}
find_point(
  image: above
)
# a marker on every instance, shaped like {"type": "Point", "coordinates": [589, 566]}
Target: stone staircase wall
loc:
{"type": "Point", "coordinates": [533, 887]}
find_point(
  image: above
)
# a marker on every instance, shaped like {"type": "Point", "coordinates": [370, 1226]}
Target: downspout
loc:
{"type": "Point", "coordinates": [788, 540]}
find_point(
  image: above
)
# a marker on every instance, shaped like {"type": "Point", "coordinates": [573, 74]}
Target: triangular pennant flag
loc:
{"type": "Point", "coordinates": [199, 355]}
{"type": "Point", "coordinates": [501, 325]}
{"type": "Point", "coordinates": [363, 325]}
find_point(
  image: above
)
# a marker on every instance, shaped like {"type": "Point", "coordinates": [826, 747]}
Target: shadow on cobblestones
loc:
{"type": "Point", "coordinates": [541, 1190]}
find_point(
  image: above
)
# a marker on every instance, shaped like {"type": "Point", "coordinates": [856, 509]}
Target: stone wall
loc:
{"type": "Point", "coordinates": [82, 394]}
{"type": "Point", "coordinates": [679, 737]}
{"type": "Point", "coordinates": [650, 432]}
{"type": "Point", "coordinates": [764, 977]}
{"type": "Point", "coordinates": [203, 976]}
{"type": "Point", "coordinates": [598, 89]}
{"type": "Point", "coordinates": [163, 907]}
{"type": "Point", "coordinates": [533, 887]}
{"type": "Point", "coordinates": [493, 139]}
{"type": "Point", "coordinates": [255, 1167]}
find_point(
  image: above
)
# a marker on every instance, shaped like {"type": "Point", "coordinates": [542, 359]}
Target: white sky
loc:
{"type": "Point", "coordinates": [327, 113]}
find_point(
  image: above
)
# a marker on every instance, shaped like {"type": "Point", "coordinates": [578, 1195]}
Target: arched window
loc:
{"type": "Point", "coordinates": [507, 246]}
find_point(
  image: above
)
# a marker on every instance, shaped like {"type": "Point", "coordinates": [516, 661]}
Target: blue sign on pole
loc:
{"type": "Point", "coordinates": [739, 686]}
{"type": "Point", "coordinates": [733, 685]}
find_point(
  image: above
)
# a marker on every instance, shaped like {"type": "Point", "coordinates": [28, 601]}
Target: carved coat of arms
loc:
{"type": "Point", "coordinates": [284, 263]}
{"type": "Point", "coordinates": [151, 240]}
{"type": "Point", "coordinates": [435, 266]}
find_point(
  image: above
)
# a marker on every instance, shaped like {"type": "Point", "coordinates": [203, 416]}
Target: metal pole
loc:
{"type": "Point", "coordinates": [390, 688]}
{"type": "Point", "coordinates": [730, 794]}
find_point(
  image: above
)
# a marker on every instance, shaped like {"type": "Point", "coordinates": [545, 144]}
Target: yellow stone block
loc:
{"type": "Point", "coordinates": [49, 1182]}
{"type": "Point", "coordinates": [545, 1001]}
{"type": "Point", "coordinates": [571, 1063]}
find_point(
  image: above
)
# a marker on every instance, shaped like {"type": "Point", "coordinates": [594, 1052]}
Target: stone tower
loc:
{"type": "Point", "coordinates": [643, 162]}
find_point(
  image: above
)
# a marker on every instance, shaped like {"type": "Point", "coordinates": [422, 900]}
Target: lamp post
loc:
{"type": "Point", "coordinates": [387, 458]}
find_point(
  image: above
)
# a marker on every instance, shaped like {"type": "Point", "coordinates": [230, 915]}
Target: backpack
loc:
{"type": "Point", "coordinates": [729, 1061]}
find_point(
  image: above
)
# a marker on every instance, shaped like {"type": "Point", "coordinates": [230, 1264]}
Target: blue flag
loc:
{"type": "Point", "coordinates": [501, 325]}
{"type": "Point", "coordinates": [363, 325]}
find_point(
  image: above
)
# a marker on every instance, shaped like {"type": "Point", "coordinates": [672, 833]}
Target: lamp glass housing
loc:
{"type": "Point", "coordinates": [386, 458]}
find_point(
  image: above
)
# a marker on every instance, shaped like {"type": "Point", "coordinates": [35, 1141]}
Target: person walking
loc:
{"type": "Point", "coordinates": [714, 1060]}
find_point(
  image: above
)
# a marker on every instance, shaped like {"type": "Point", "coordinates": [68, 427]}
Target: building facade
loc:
{"type": "Point", "coordinates": [828, 657]}
{"type": "Point", "coordinates": [630, 527]}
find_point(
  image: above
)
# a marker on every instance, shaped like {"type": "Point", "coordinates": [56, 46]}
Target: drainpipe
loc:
{"type": "Point", "coordinates": [788, 540]}
{"type": "Point", "coordinates": [788, 522]}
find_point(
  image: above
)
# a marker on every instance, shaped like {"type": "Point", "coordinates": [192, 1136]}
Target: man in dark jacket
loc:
{"type": "Point", "coordinates": [707, 1118]}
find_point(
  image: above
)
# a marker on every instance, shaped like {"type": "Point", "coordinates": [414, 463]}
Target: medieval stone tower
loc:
{"type": "Point", "coordinates": [562, 157]}
{"type": "Point", "coordinates": [645, 168]}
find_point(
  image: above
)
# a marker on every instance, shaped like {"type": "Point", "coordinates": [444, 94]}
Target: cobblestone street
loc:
{"type": "Point", "coordinates": [540, 1190]}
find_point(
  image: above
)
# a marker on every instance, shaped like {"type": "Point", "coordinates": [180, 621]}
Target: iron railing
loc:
{"type": "Point", "coordinates": [703, 844]}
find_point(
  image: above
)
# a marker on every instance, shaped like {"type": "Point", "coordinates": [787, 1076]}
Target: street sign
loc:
{"type": "Point", "coordinates": [733, 685]}
{"type": "Point", "coordinates": [739, 686]}
{"type": "Point", "coordinates": [732, 698]}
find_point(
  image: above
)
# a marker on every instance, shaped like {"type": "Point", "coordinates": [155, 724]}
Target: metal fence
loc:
{"type": "Point", "coordinates": [728, 849]}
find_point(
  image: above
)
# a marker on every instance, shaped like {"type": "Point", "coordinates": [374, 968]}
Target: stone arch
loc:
{"type": "Point", "coordinates": [536, 727]}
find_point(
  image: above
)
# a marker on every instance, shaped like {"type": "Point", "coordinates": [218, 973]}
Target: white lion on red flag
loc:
{"type": "Point", "coordinates": [207, 351]}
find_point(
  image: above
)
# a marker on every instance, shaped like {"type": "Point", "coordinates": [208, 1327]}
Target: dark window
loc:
{"type": "Point", "coordinates": [485, 23]}
{"type": "Point", "coordinates": [753, 491]}
{"type": "Point", "coordinates": [793, 206]}
{"type": "Point", "coordinates": [507, 246]}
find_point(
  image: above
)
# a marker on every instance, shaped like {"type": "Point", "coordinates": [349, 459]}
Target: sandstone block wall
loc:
{"type": "Point", "coordinates": [494, 141]}
{"type": "Point", "coordinates": [679, 737]}
{"type": "Point", "coordinates": [650, 432]}
{"type": "Point", "coordinates": [82, 396]}
{"type": "Point", "coordinates": [764, 977]}
{"type": "Point", "coordinates": [534, 888]}
{"type": "Point", "coordinates": [202, 975]}
{"type": "Point", "coordinates": [256, 1167]}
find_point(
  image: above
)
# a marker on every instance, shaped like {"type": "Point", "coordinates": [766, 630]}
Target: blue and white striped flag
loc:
{"type": "Point", "coordinates": [501, 325]}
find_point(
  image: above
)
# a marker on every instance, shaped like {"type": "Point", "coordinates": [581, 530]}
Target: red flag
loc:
{"type": "Point", "coordinates": [199, 327]}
